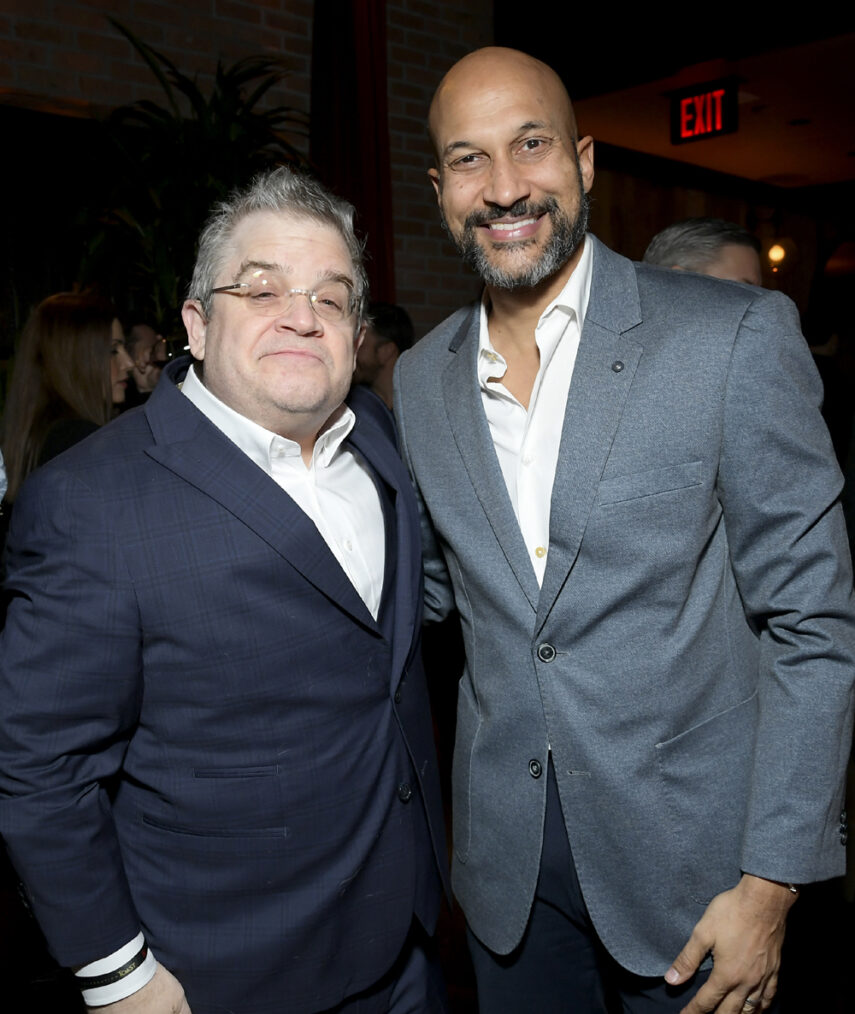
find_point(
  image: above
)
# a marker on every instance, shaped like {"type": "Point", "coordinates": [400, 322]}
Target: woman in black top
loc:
{"type": "Point", "coordinates": [70, 372]}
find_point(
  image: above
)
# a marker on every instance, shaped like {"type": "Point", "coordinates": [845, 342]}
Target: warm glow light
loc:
{"type": "Point", "coordinates": [776, 254]}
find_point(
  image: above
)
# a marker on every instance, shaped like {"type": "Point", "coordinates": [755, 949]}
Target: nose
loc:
{"type": "Point", "coordinates": [506, 183]}
{"type": "Point", "coordinates": [125, 362]}
{"type": "Point", "coordinates": [300, 316]}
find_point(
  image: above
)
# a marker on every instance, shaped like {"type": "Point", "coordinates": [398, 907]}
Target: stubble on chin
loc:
{"type": "Point", "coordinates": [565, 238]}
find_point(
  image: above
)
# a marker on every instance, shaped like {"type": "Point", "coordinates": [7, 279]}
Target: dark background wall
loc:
{"type": "Point", "coordinates": [63, 66]}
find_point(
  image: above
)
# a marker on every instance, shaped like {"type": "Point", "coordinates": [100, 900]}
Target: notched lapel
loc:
{"type": "Point", "coordinates": [605, 366]}
{"type": "Point", "coordinates": [206, 459]}
{"type": "Point", "coordinates": [383, 458]}
{"type": "Point", "coordinates": [472, 436]}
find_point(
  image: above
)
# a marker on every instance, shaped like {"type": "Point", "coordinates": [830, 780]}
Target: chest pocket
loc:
{"type": "Point", "coordinates": [652, 482]}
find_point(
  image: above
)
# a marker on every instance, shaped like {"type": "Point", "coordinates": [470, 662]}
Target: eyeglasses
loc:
{"type": "Point", "coordinates": [268, 295]}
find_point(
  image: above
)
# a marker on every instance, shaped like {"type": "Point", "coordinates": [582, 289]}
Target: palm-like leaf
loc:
{"type": "Point", "coordinates": [173, 162]}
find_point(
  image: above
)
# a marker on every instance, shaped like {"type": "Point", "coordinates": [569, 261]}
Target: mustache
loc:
{"type": "Point", "coordinates": [520, 209]}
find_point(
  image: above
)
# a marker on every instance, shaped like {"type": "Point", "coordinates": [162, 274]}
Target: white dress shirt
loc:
{"type": "Point", "coordinates": [527, 442]}
{"type": "Point", "coordinates": [337, 492]}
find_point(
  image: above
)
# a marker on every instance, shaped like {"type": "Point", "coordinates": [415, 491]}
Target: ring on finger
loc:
{"type": "Point", "coordinates": [748, 1004]}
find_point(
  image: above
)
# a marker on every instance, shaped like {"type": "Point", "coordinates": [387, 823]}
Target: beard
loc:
{"type": "Point", "coordinates": [567, 234]}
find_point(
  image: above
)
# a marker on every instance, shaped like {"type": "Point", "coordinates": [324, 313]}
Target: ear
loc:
{"type": "Point", "coordinates": [585, 153]}
{"type": "Point", "coordinates": [196, 326]}
{"type": "Point", "coordinates": [434, 178]}
{"type": "Point", "coordinates": [358, 339]}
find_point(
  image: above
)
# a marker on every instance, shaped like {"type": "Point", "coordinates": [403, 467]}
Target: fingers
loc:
{"type": "Point", "coordinates": [689, 959]}
{"type": "Point", "coordinates": [729, 997]}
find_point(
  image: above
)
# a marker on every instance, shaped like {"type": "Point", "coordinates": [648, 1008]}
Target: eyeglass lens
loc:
{"type": "Point", "coordinates": [268, 294]}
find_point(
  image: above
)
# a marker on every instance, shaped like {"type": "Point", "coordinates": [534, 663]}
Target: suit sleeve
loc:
{"type": "Point", "coordinates": [779, 484]}
{"type": "Point", "coordinates": [70, 682]}
{"type": "Point", "coordinates": [439, 595]}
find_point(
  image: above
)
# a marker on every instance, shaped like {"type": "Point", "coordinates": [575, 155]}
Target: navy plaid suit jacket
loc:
{"type": "Point", "coordinates": [204, 732]}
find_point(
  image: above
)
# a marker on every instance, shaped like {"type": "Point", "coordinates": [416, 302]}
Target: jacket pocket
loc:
{"type": "Point", "coordinates": [468, 727]}
{"type": "Point", "coordinates": [706, 777]}
{"type": "Point", "coordinates": [650, 483]}
{"type": "Point", "coordinates": [215, 832]}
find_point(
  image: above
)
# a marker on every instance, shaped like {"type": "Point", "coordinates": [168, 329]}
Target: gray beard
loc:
{"type": "Point", "coordinates": [566, 236]}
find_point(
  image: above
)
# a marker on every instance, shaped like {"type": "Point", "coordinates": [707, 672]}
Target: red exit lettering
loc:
{"type": "Point", "coordinates": [701, 114]}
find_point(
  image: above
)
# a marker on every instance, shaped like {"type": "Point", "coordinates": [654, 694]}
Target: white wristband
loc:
{"type": "Point", "coordinates": [126, 970]}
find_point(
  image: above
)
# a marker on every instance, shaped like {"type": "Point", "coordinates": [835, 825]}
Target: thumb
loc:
{"type": "Point", "coordinates": [687, 961]}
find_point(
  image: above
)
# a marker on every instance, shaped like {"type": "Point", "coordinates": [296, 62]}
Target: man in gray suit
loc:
{"type": "Point", "coordinates": [655, 596]}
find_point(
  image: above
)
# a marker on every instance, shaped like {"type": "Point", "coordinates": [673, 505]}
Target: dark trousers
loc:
{"type": "Point", "coordinates": [413, 985]}
{"type": "Point", "coordinates": [560, 966]}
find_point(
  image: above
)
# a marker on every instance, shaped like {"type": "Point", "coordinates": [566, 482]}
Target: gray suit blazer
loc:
{"type": "Point", "coordinates": [690, 656]}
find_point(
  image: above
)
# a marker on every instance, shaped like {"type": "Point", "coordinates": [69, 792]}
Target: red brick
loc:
{"type": "Point", "coordinates": [109, 46]}
{"type": "Point", "coordinates": [397, 16]}
{"type": "Point", "coordinates": [44, 82]}
{"type": "Point", "coordinates": [40, 31]}
{"type": "Point", "coordinates": [408, 56]}
{"type": "Point", "coordinates": [71, 60]}
{"type": "Point", "coordinates": [23, 54]}
{"type": "Point", "coordinates": [246, 14]}
{"type": "Point", "coordinates": [147, 12]}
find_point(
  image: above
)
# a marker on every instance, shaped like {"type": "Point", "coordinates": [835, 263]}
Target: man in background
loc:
{"type": "Point", "coordinates": [388, 335]}
{"type": "Point", "coordinates": [147, 349]}
{"type": "Point", "coordinates": [708, 246]}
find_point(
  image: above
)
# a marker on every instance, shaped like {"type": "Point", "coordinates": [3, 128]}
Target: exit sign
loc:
{"type": "Point", "coordinates": [704, 110]}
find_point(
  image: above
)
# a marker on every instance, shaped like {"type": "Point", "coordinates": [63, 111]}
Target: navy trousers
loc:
{"type": "Point", "coordinates": [560, 966]}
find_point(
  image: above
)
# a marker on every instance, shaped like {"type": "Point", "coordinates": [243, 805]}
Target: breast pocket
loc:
{"type": "Point", "coordinates": [652, 482]}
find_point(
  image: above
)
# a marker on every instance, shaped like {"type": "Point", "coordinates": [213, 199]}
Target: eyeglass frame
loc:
{"type": "Point", "coordinates": [311, 295]}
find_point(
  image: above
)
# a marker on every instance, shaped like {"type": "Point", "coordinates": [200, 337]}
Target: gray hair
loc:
{"type": "Point", "coordinates": [279, 190]}
{"type": "Point", "coordinates": [695, 243]}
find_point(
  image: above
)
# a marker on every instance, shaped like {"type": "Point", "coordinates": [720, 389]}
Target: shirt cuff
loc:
{"type": "Point", "coordinates": [118, 975]}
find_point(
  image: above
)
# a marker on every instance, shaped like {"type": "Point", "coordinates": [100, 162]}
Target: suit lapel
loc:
{"type": "Point", "coordinates": [406, 569]}
{"type": "Point", "coordinates": [605, 365]}
{"type": "Point", "coordinates": [191, 447]}
{"type": "Point", "coordinates": [475, 444]}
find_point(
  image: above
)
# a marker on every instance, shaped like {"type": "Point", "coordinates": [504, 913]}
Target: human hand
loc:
{"type": "Point", "coordinates": [744, 930]}
{"type": "Point", "coordinates": [162, 994]}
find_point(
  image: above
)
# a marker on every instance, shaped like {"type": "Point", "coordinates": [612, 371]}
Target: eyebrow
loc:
{"type": "Point", "coordinates": [523, 127]}
{"type": "Point", "coordinates": [249, 265]}
{"type": "Point", "coordinates": [284, 269]}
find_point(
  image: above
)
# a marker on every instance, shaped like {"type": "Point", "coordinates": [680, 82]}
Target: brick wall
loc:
{"type": "Point", "coordinates": [65, 56]}
{"type": "Point", "coordinates": [423, 40]}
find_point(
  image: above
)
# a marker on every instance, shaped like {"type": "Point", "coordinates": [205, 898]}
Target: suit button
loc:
{"type": "Point", "coordinates": [535, 769]}
{"type": "Point", "coordinates": [397, 696]}
{"type": "Point", "coordinates": [844, 837]}
{"type": "Point", "coordinates": [617, 366]}
{"type": "Point", "coordinates": [546, 653]}
{"type": "Point", "coordinates": [404, 792]}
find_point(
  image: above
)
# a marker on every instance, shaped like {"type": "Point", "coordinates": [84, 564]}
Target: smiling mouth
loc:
{"type": "Point", "coordinates": [522, 228]}
{"type": "Point", "coordinates": [510, 226]}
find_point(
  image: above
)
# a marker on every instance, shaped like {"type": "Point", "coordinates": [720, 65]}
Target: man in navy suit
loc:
{"type": "Point", "coordinates": [218, 780]}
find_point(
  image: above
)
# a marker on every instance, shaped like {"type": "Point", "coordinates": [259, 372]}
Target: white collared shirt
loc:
{"type": "Point", "coordinates": [527, 442]}
{"type": "Point", "coordinates": [336, 490]}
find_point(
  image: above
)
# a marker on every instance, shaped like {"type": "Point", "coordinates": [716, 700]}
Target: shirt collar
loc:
{"type": "Point", "coordinates": [258, 443]}
{"type": "Point", "coordinates": [571, 301]}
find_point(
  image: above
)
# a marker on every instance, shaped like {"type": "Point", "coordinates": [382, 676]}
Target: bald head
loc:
{"type": "Point", "coordinates": [472, 78]}
{"type": "Point", "coordinates": [511, 175]}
